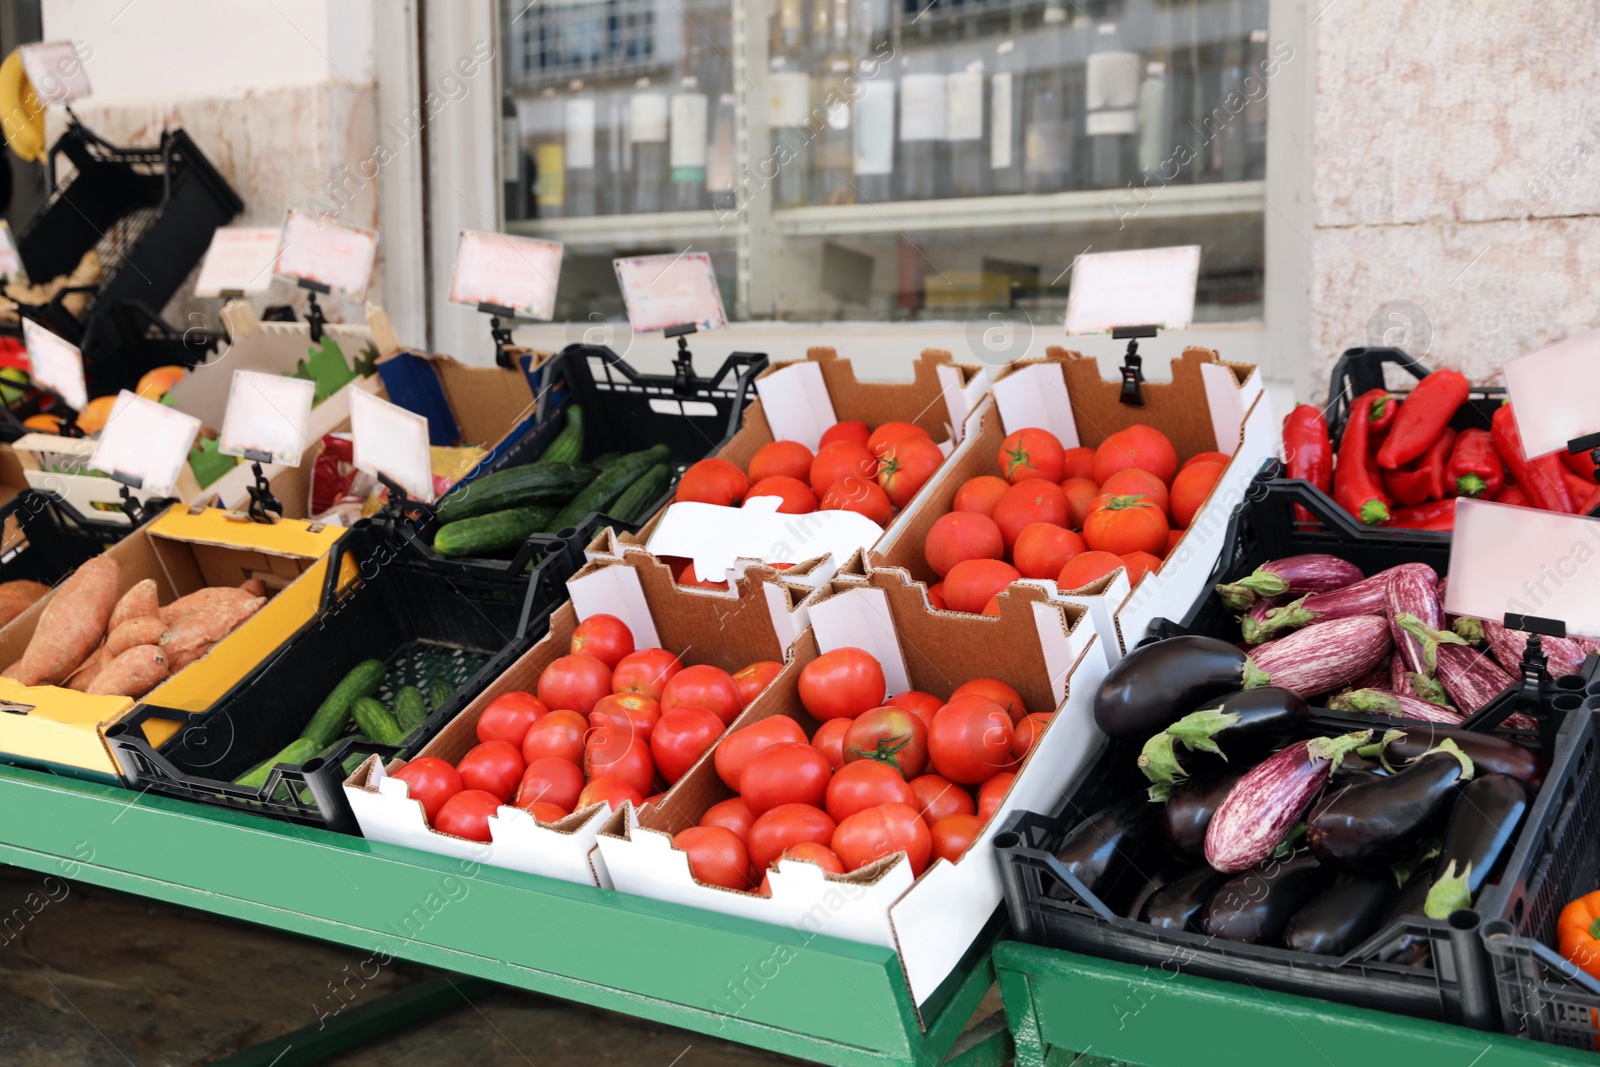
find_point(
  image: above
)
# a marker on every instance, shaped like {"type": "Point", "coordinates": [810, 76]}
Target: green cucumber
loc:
{"type": "Point", "coordinates": [328, 723]}
{"type": "Point", "coordinates": [409, 709]}
{"type": "Point", "coordinates": [568, 445]}
{"type": "Point", "coordinates": [439, 691]}
{"type": "Point", "coordinates": [613, 481]}
{"type": "Point", "coordinates": [516, 487]}
{"type": "Point", "coordinates": [484, 535]}
{"type": "Point", "coordinates": [376, 722]}
{"type": "Point", "coordinates": [606, 459]}
{"type": "Point", "coordinates": [634, 503]}
{"type": "Point", "coordinates": [295, 753]}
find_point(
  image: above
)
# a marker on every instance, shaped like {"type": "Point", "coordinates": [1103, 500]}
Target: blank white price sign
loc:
{"type": "Point", "coordinates": [57, 74]}
{"type": "Point", "coordinates": [240, 260]}
{"type": "Point", "coordinates": [515, 273]}
{"type": "Point", "coordinates": [1552, 391]}
{"type": "Point", "coordinates": [338, 257]}
{"type": "Point", "coordinates": [11, 266]}
{"type": "Point", "coordinates": [145, 443]}
{"type": "Point", "coordinates": [56, 364]}
{"type": "Point", "coordinates": [1144, 287]}
{"type": "Point", "coordinates": [392, 441]}
{"type": "Point", "coordinates": [267, 413]}
{"type": "Point", "coordinates": [1529, 562]}
{"type": "Point", "coordinates": [665, 291]}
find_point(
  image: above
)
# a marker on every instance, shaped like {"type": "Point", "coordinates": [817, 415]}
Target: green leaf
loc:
{"type": "Point", "coordinates": [325, 365]}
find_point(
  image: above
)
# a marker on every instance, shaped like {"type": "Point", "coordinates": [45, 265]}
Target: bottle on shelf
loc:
{"type": "Point", "coordinates": [1155, 146]}
{"type": "Point", "coordinates": [690, 117]}
{"type": "Point", "coordinates": [1111, 99]}
{"type": "Point", "coordinates": [923, 164]}
{"type": "Point", "coordinates": [1005, 119]}
{"type": "Point", "coordinates": [578, 114]}
{"type": "Point", "coordinates": [835, 142]}
{"type": "Point", "coordinates": [513, 172]}
{"type": "Point", "coordinates": [788, 103]}
{"type": "Point", "coordinates": [872, 111]}
{"type": "Point", "coordinates": [549, 156]}
{"type": "Point", "coordinates": [721, 180]}
{"type": "Point", "coordinates": [647, 139]}
{"type": "Point", "coordinates": [1228, 153]}
{"type": "Point", "coordinates": [964, 122]}
{"type": "Point", "coordinates": [1047, 127]}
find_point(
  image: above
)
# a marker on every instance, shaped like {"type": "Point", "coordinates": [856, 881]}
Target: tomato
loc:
{"type": "Point", "coordinates": [938, 798]}
{"type": "Point", "coordinates": [431, 781]}
{"type": "Point", "coordinates": [1028, 502]}
{"type": "Point", "coordinates": [732, 814]}
{"type": "Point", "coordinates": [712, 481]}
{"type": "Point", "coordinates": [1080, 494]}
{"type": "Point", "coordinates": [612, 791]}
{"type": "Point", "coordinates": [1205, 457]}
{"type": "Point", "coordinates": [605, 637]}
{"type": "Point", "coordinates": [905, 466]}
{"type": "Point", "coordinates": [1027, 733]}
{"type": "Point", "coordinates": [626, 711]}
{"type": "Point", "coordinates": [752, 679]}
{"type": "Point", "coordinates": [785, 773]}
{"type": "Point", "coordinates": [574, 683]}
{"type": "Point", "coordinates": [971, 583]}
{"type": "Point", "coordinates": [1043, 548]}
{"type": "Point", "coordinates": [645, 672]}
{"type": "Point", "coordinates": [620, 754]}
{"type": "Point", "coordinates": [1191, 488]}
{"type": "Point", "coordinates": [466, 814]}
{"type": "Point", "coordinates": [993, 606]}
{"type": "Point", "coordinates": [797, 497]}
{"type": "Point", "coordinates": [1140, 446]}
{"type": "Point", "coordinates": [1173, 537]}
{"type": "Point", "coordinates": [980, 494]}
{"type": "Point", "coordinates": [996, 690]}
{"type": "Point", "coordinates": [656, 798]}
{"type": "Point", "coordinates": [841, 684]}
{"type": "Point", "coordinates": [552, 781]}
{"type": "Point", "coordinates": [1126, 524]}
{"type": "Point", "coordinates": [492, 766]}
{"type": "Point", "coordinates": [508, 717]}
{"type": "Point", "coordinates": [716, 856]}
{"type": "Point", "coordinates": [923, 705]}
{"type": "Point", "coordinates": [1140, 564]}
{"type": "Point", "coordinates": [869, 836]}
{"type": "Point", "coordinates": [854, 432]}
{"type": "Point", "coordinates": [558, 734]}
{"type": "Point", "coordinates": [838, 461]}
{"type": "Point", "coordinates": [866, 784]}
{"type": "Point", "coordinates": [936, 596]}
{"type": "Point", "coordinates": [890, 433]}
{"type": "Point", "coordinates": [812, 852]}
{"type": "Point", "coordinates": [681, 737]}
{"type": "Point", "coordinates": [545, 812]}
{"type": "Point", "coordinates": [863, 497]}
{"type": "Point", "coordinates": [961, 535]}
{"type": "Point", "coordinates": [890, 735]}
{"type": "Point", "coordinates": [992, 792]}
{"type": "Point", "coordinates": [829, 740]}
{"type": "Point", "coordinates": [1086, 569]}
{"type": "Point", "coordinates": [1132, 482]}
{"type": "Point", "coordinates": [786, 459]}
{"type": "Point", "coordinates": [782, 828]}
{"type": "Point", "coordinates": [970, 740]}
{"type": "Point", "coordinates": [704, 686]}
{"type": "Point", "coordinates": [686, 576]}
{"type": "Point", "coordinates": [1077, 462]}
{"type": "Point", "coordinates": [736, 751]}
{"type": "Point", "coordinates": [953, 835]}
{"type": "Point", "coordinates": [1031, 453]}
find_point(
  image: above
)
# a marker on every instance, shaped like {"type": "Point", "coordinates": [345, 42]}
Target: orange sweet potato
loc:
{"type": "Point", "coordinates": [72, 624]}
{"type": "Point", "coordinates": [132, 674]}
{"type": "Point", "coordinates": [142, 631]}
{"type": "Point", "coordinates": [254, 586]}
{"type": "Point", "coordinates": [84, 676]}
{"type": "Point", "coordinates": [140, 600]}
{"type": "Point", "coordinates": [201, 599]}
{"type": "Point", "coordinates": [189, 638]}
{"type": "Point", "coordinates": [18, 596]}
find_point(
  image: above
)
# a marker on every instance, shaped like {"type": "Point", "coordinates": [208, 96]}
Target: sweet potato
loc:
{"type": "Point", "coordinates": [179, 662]}
{"type": "Point", "coordinates": [132, 674]}
{"type": "Point", "coordinates": [185, 639]}
{"type": "Point", "coordinates": [202, 599]}
{"type": "Point", "coordinates": [18, 596]}
{"type": "Point", "coordinates": [72, 624]}
{"type": "Point", "coordinates": [141, 631]}
{"type": "Point", "coordinates": [11, 670]}
{"type": "Point", "coordinates": [254, 586]}
{"type": "Point", "coordinates": [140, 600]}
{"type": "Point", "coordinates": [84, 676]}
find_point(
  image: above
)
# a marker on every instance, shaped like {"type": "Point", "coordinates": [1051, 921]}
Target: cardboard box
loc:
{"type": "Point", "coordinates": [1046, 649]}
{"type": "Point", "coordinates": [728, 630]}
{"type": "Point", "coordinates": [184, 549]}
{"type": "Point", "coordinates": [1209, 405]}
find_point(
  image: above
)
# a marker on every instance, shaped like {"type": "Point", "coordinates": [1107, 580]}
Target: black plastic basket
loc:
{"type": "Point", "coordinates": [1360, 370]}
{"type": "Point", "coordinates": [55, 538]}
{"type": "Point", "coordinates": [424, 617]}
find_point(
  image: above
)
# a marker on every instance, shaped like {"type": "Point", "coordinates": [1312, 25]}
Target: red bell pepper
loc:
{"type": "Point", "coordinates": [1434, 515]}
{"type": "Point", "coordinates": [1356, 486]}
{"type": "Point", "coordinates": [1307, 452]}
{"type": "Point", "coordinates": [1427, 411]}
{"type": "Point", "coordinates": [1423, 478]}
{"type": "Point", "coordinates": [1513, 495]}
{"type": "Point", "coordinates": [1541, 479]}
{"type": "Point", "coordinates": [1474, 468]}
{"type": "Point", "coordinates": [1385, 409]}
{"type": "Point", "coordinates": [1577, 488]}
{"type": "Point", "coordinates": [1581, 464]}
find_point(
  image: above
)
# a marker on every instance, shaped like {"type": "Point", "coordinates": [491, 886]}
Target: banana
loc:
{"type": "Point", "coordinates": [21, 114]}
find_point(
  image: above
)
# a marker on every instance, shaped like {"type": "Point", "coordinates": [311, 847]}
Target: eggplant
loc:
{"type": "Point", "coordinates": [1376, 678]}
{"type": "Point", "coordinates": [1471, 678]}
{"type": "Point", "coordinates": [1141, 693]}
{"type": "Point", "coordinates": [1186, 814]}
{"type": "Point", "coordinates": [1251, 720]}
{"type": "Point", "coordinates": [1178, 905]}
{"type": "Point", "coordinates": [1356, 768]}
{"type": "Point", "coordinates": [1489, 753]}
{"type": "Point", "coordinates": [1486, 818]}
{"type": "Point", "coordinates": [1563, 655]}
{"type": "Point", "coordinates": [1369, 596]}
{"type": "Point", "coordinates": [1164, 875]}
{"type": "Point", "coordinates": [1258, 812]}
{"type": "Point", "coordinates": [1255, 905]}
{"type": "Point", "coordinates": [1367, 826]}
{"type": "Point", "coordinates": [1321, 658]}
{"type": "Point", "coordinates": [1394, 705]}
{"type": "Point", "coordinates": [1339, 918]}
{"type": "Point", "coordinates": [1411, 604]}
{"type": "Point", "coordinates": [1407, 904]}
{"type": "Point", "coordinates": [1104, 846]}
{"type": "Point", "coordinates": [1313, 572]}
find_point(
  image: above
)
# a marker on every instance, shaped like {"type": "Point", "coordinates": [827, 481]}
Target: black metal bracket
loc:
{"type": "Point", "coordinates": [500, 333]}
{"type": "Point", "coordinates": [139, 512]}
{"type": "Point", "coordinates": [1132, 362]}
{"type": "Point", "coordinates": [264, 507]}
{"type": "Point", "coordinates": [684, 381]}
{"type": "Point", "coordinates": [314, 316]}
{"type": "Point", "coordinates": [1534, 689]}
{"type": "Point", "coordinates": [399, 505]}
{"type": "Point", "coordinates": [1589, 443]}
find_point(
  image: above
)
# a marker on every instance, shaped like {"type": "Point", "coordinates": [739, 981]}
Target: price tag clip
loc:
{"type": "Point", "coordinates": [500, 333]}
{"type": "Point", "coordinates": [399, 504]}
{"type": "Point", "coordinates": [1532, 694]}
{"type": "Point", "coordinates": [684, 381]}
{"type": "Point", "coordinates": [314, 315]}
{"type": "Point", "coordinates": [139, 511]}
{"type": "Point", "coordinates": [1132, 362]}
{"type": "Point", "coordinates": [264, 507]}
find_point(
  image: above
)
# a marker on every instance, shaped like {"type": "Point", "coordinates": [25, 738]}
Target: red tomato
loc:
{"type": "Point", "coordinates": [1173, 537]}
{"type": "Point", "coordinates": [993, 606]}
{"type": "Point", "coordinates": [1191, 488]}
{"type": "Point", "coordinates": [686, 576]}
{"type": "Point", "coordinates": [970, 740]}
{"type": "Point", "coordinates": [869, 836]}
{"type": "Point", "coordinates": [854, 432]}
{"type": "Point", "coordinates": [551, 781]}
{"type": "Point", "coordinates": [1077, 462]}
{"type": "Point", "coordinates": [626, 711]}
{"type": "Point", "coordinates": [1140, 446]}
{"type": "Point", "coordinates": [716, 856]}
{"type": "Point", "coordinates": [1027, 733]}
{"type": "Point", "coordinates": [782, 828]}
{"type": "Point", "coordinates": [1087, 568]}
{"type": "Point", "coordinates": [1132, 482]}
{"type": "Point", "coordinates": [575, 683]}
{"type": "Point", "coordinates": [1080, 494]}
{"type": "Point", "coordinates": [786, 459]}
{"type": "Point", "coordinates": [971, 583]}
{"type": "Point", "coordinates": [712, 481]}
{"type": "Point", "coordinates": [1043, 548]}
{"type": "Point", "coordinates": [466, 814]}
{"type": "Point", "coordinates": [1206, 457]}
{"type": "Point", "coordinates": [905, 465]}
{"type": "Point", "coordinates": [620, 754]}
{"type": "Point", "coordinates": [863, 497]}
{"type": "Point", "coordinates": [1126, 524]}
{"type": "Point", "coordinates": [939, 798]}
{"type": "Point", "coordinates": [558, 734]}
{"type": "Point", "coordinates": [431, 781]}
{"type": "Point", "coordinates": [996, 690]}
{"type": "Point", "coordinates": [736, 751]}
{"type": "Point", "coordinates": [829, 740]}
{"type": "Point", "coordinates": [797, 497]}
{"type": "Point", "coordinates": [980, 494]}
{"type": "Point", "coordinates": [752, 679]}
{"type": "Point", "coordinates": [545, 812]}
{"type": "Point", "coordinates": [612, 791]}
{"type": "Point", "coordinates": [704, 686]}
{"type": "Point", "coordinates": [923, 705]}
{"type": "Point", "coordinates": [493, 766]}
{"type": "Point", "coordinates": [841, 684]}
{"type": "Point", "coordinates": [1140, 564]}
{"type": "Point", "coordinates": [936, 596]}
{"type": "Point", "coordinates": [1032, 453]}
{"type": "Point", "coordinates": [785, 774]}
{"type": "Point", "coordinates": [1028, 502]}
{"type": "Point", "coordinates": [811, 852]}
{"type": "Point", "coordinates": [681, 737]}
{"type": "Point", "coordinates": [992, 792]}
{"type": "Point", "coordinates": [866, 784]}
{"type": "Point", "coordinates": [891, 432]}
{"type": "Point", "coordinates": [732, 814]}
{"type": "Point", "coordinates": [953, 835]}
{"type": "Point", "coordinates": [838, 461]}
{"type": "Point", "coordinates": [645, 672]}
{"type": "Point", "coordinates": [605, 637]}
{"type": "Point", "coordinates": [961, 535]}
{"type": "Point", "coordinates": [508, 717]}
{"type": "Point", "coordinates": [890, 735]}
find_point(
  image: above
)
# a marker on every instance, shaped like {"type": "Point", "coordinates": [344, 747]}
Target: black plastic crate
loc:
{"type": "Point", "coordinates": [54, 539]}
{"type": "Point", "coordinates": [424, 617]}
{"type": "Point", "coordinates": [1360, 370]}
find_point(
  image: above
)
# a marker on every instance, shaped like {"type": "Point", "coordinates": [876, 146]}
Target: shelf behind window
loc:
{"type": "Point", "coordinates": [665, 227]}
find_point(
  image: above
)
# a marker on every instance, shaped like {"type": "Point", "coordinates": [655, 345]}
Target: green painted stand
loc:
{"type": "Point", "coordinates": [811, 996]}
{"type": "Point", "coordinates": [1063, 1007]}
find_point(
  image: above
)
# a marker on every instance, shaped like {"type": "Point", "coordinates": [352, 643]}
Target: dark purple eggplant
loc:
{"type": "Point", "coordinates": [1186, 814]}
{"type": "Point", "coordinates": [1485, 820]}
{"type": "Point", "coordinates": [1247, 722]}
{"type": "Point", "coordinates": [1108, 843]}
{"type": "Point", "coordinates": [1140, 694]}
{"type": "Point", "coordinates": [1356, 768]}
{"type": "Point", "coordinates": [1313, 572]}
{"type": "Point", "coordinates": [1369, 596]}
{"type": "Point", "coordinates": [1366, 826]}
{"type": "Point", "coordinates": [1393, 705]}
{"type": "Point", "coordinates": [1339, 918]}
{"type": "Point", "coordinates": [1164, 874]}
{"type": "Point", "coordinates": [1489, 753]}
{"type": "Point", "coordinates": [1320, 659]}
{"type": "Point", "coordinates": [1178, 905]}
{"type": "Point", "coordinates": [1255, 905]}
{"type": "Point", "coordinates": [1407, 904]}
{"type": "Point", "coordinates": [1257, 813]}
{"type": "Point", "coordinates": [1472, 678]}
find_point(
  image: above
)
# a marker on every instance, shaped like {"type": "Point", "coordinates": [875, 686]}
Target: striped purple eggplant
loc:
{"type": "Point", "coordinates": [1369, 596]}
{"type": "Point", "coordinates": [1471, 677]}
{"type": "Point", "coordinates": [1376, 678]}
{"type": "Point", "coordinates": [1565, 655]}
{"type": "Point", "coordinates": [1415, 617]}
{"type": "Point", "coordinates": [1313, 572]}
{"type": "Point", "coordinates": [1321, 658]}
{"type": "Point", "coordinates": [1394, 705]}
{"type": "Point", "coordinates": [1258, 812]}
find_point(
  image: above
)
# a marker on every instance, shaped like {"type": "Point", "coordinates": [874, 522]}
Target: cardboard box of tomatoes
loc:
{"type": "Point", "coordinates": [858, 795]}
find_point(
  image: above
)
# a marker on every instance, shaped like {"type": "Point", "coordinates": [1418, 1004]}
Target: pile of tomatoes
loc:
{"type": "Point", "coordinates": [912, 774]}
{"type": "Point", "coordinates": [1069, 514]}
{"type": "Point", "coordinates": [607, 723]}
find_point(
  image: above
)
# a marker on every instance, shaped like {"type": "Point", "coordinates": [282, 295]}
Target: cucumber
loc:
{"type": "Point", "coordinates": [568, 445]}
{"type": "Point", "coordinates": [483, 535]}
{"type": "Point", "coordinates": [613, 481]}
{"type": "Point", "coordinates": [295, 752]}
{"type": "Point", "coordinates": [409, 709]}
{"type": "Point", "coordinates": [634, 503]}
{"type": "Point", "coordinates": [328, 723]}
{"type": "Point", "coordinates": [439, 691]}
{"type": "Point", "coordinates": [606, 459]}
{"type": "Point", "coordinates": [376, 722]}
{"type": "Point", "coordinates": [516, 487]}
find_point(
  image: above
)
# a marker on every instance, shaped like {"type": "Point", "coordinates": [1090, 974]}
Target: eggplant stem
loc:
{"type": "Point", "coordinates": [1429, 689]}
{"type": "Point", "coordinates": [1197, 729]}
{"type": "Point", "coordinates": [1450, 893]}
{"type": "Point", "coordinates": [1378, 747]}
{"type": "Point", "coordinates": [1254, 677]}
{"type": "Point", "coordinates": [1159, 761]}
{"type": "Point", "coordinates": [1470, 629]}
{"type": "Point", "coordinates": [1366, 702]}
{"type": "Point", "coordinates": [1431, 639]}
{"type": "Point", "coordinates": [1449, 745]}
{"type": "Point", "coordinates": [1334, 749]}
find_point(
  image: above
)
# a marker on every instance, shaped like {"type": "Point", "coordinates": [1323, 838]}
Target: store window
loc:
{"type": "Point", "coordinates": [889, 159]}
